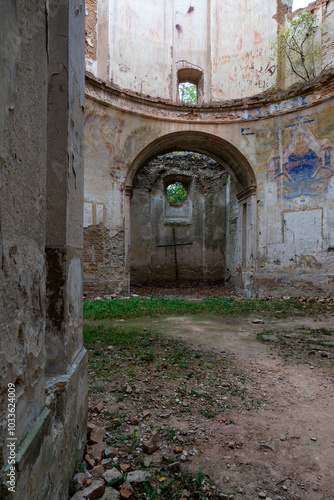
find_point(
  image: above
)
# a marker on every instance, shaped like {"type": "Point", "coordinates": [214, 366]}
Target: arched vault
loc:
{"type": "Point", "coordinates": [217, 148]}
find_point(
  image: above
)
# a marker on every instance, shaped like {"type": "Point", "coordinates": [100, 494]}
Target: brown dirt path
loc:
{"type": "Point", "coordinates": [285, 450]}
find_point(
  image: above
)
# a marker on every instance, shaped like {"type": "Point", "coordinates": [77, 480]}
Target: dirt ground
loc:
{"type": "Point", "coordinates": [297, 420]}
{"type": "Point", "coordinates": [281, 449]}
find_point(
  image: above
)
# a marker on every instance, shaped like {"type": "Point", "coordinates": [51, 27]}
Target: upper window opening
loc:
{"type": "Point", "coordinates": [190, 86]}
{"type": "Point", "coordinates": [188, 93]}
{"type": "Point", "coordinates": [176, 192]}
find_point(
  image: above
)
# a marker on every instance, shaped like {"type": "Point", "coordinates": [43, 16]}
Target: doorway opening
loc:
{"type": "Point", "coordinates": [178, 221]}
{"type": "Point", "coordinates": [199, 239]}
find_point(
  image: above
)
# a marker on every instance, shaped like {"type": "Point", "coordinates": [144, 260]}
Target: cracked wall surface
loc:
{"type": "Point", "coordinates": [42, 356]}
{"type": "Point", "coordinates": [283, 149]}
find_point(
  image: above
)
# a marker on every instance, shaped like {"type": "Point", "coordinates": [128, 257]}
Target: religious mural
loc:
{"type": "Point", "coordinates": [305, 174]}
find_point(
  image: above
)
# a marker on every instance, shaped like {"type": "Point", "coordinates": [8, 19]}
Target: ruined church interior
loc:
{"type": "Point", "coordinates": [144, 144]}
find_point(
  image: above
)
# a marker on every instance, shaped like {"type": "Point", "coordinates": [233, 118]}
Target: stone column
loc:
{"type": "Point", "coordinates": [128, 191]}
{"type": "Point", "coordinates": [247, 239]}
{"type": "Point", "coordinates": [23, 149]}
{"type": "Point", "coordinates": [64, 219]}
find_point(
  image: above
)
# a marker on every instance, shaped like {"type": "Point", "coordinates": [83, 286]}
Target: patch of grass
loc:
{"type": "Point", "coordinates": [136, 307]}
{"type": "Point", "coordinates": [96, 388]}
{"type": "Point", "coordinates": [213, 414]}
{"type": "Point", "coordinates": [302, 344]}
{"type": "Point", "coordinates": [325, 331]}
{"type": "Point", "coordinates": [167, 485]}
{"type": "Point", "coordinates": [169, 433]}
{"type": "Point", "coordinates": [128, 442]}
{"type": "Point", "coordinates": [80, 466]}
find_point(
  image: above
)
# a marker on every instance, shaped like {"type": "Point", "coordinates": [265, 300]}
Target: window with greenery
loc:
{"type": "Point", "coordinates": [176, 192]}
{"type": "Point", "coordinates": [188, 93]}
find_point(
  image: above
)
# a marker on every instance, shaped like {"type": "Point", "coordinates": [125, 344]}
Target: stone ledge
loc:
{"type": "Point", "coordinates": [269, 103]}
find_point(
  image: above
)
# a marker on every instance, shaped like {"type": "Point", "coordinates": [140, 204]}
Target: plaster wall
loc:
{"type": "Point", "coordinates": [228, 43]}
{"type": "Point", "coordinates": [284, 147]}
{"type": "Point", "coordinates": [133, 34]}
{"type": "Point", "coordinates": [241, 33]}
{"type": "Point", "coordinates": [40, 215]}
{"type": "Point", "coordinates": [23, 211]}
{"type": "Point", "coordinates": [141, 47]}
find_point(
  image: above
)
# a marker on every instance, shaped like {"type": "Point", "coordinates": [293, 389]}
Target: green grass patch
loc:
{"type": "Point", "coordinates": [136, 307]}
{"type": "Point", "coordinates": [169, 486]}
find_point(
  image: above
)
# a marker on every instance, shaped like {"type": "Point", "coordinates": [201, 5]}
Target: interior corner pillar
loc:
{"type": "Point", "coordinates": [64, 219]}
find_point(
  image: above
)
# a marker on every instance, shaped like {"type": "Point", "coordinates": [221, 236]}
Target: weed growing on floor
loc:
{"type": "Point", "coordinates": [153, 306]}
{"type": "Point", "coordinates": [302, 344]}
{"type": "Point", "coordinates": [167, 485]}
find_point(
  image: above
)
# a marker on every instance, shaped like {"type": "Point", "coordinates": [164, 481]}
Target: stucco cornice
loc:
{"type": "Point", "coordinates": [257, 107]}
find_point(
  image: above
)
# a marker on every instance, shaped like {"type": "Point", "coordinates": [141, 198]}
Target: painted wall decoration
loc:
{"type": "Point", "coordinates": [305, 174]}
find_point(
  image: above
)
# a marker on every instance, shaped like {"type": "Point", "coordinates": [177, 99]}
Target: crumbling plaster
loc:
{"type": "Point", "coordinates": [275, 142]}
{"type": "Point", "coordinates": [229, 42]}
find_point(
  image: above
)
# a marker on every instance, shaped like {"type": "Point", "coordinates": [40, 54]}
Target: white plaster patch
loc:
{"type": "Point", "coordinates": [99, 213]}
{"type": "Point", "coordinates": [88, 214]}
{"type": "Point", "coordinates": [182, 213]}
{"type": "Point", "coordinates": [303, 230]}
{"type": "Point", "coordinates": [331, 187]}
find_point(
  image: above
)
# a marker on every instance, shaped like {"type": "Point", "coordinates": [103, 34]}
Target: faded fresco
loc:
{"type": "Point", "coordinates": [304, 172]}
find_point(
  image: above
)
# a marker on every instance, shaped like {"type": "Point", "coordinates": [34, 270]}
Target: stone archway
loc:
{"type": "Point", "coordinates": [241, 239]}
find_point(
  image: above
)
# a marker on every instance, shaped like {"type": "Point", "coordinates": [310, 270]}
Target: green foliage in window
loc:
{"type": "Point", "coordinates": [176, 192]}
{"type": "Point", "coordinates": [298, 45]}
{"type": "Point", "coordinates": [188, 93]}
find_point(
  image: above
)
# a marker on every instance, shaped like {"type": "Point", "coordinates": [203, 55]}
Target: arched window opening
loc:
{"type": "Point", "coordinates": [190, 86]}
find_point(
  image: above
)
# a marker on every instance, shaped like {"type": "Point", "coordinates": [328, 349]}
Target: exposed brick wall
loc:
{"type": "Point", "coordinates": [102, 253]}
{"type": "Point", "coordinates": [325, 10]}
{"type": "Point", "coordinates": [94, 237]}
{"type": "Point", "coordinates": [91, 29]}
{"type": "Point", "coordinates": [282, 11]}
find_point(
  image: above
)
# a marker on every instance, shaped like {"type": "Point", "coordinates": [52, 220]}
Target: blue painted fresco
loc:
{"type": "Point", "coordinates": [304, 175]}
{"type": "Point", "coordinates": [288, 105]}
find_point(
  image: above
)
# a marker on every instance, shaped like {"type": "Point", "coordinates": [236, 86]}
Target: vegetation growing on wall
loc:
{"type": "Point", "coordinates": [297, 48]}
